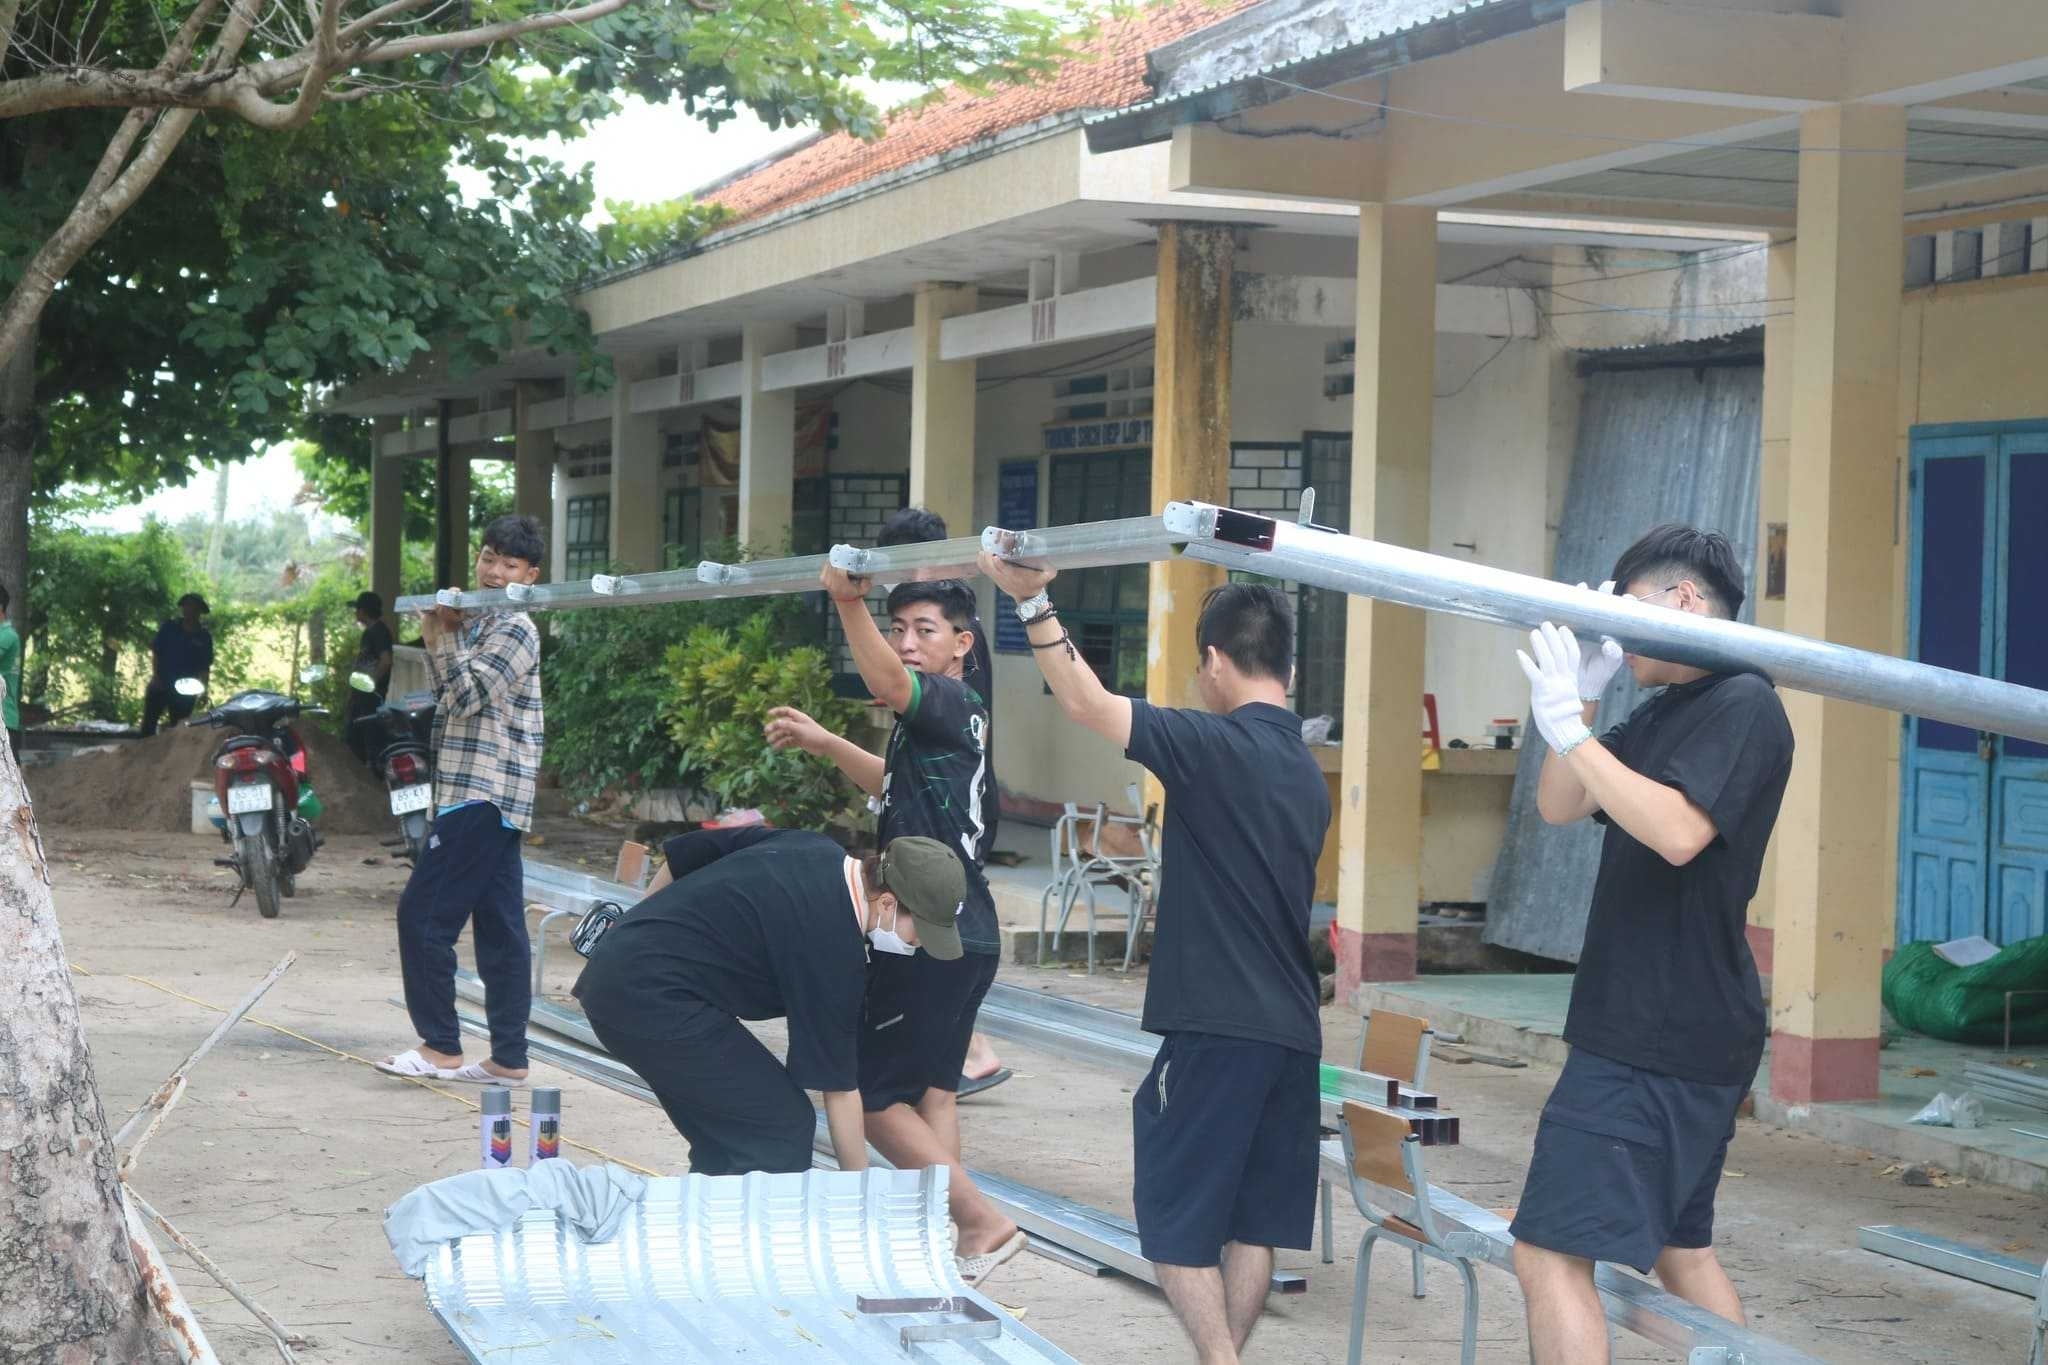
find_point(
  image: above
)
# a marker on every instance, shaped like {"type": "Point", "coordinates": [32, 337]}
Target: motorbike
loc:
{"type": "Point", "coordinates": [401, 734]}
{"type": "Point", "coordinates": [264, 804]}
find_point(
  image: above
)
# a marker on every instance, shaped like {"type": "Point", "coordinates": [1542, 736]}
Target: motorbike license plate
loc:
{"type": "Point", "coordinates": [250, 796]}
{"type": "Point", "coordinates": [406, 800]}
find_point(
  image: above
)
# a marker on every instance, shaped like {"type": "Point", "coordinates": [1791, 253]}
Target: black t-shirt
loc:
{"type": "Point", "coordinates": [758, 924]}
{"type": "Point", "coordinates": [1665, 980]}
{"type": "Point", "coordinates": [1246, 811]}
{"type": "Point", "coordinates": [936, 784]}
{"type": "Point", "coordinates": [375, 645]}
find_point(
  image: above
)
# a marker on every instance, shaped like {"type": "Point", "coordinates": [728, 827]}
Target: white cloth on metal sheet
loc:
{"type": "Point", "coordinates": [590, 1199]}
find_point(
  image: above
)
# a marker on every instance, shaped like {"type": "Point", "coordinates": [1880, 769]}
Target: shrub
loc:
{"type": "Point", "coordinates": [723, 683]}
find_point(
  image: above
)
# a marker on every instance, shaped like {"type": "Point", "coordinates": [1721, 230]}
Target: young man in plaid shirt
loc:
{"type": "Point", "coordinates": [485, 673]}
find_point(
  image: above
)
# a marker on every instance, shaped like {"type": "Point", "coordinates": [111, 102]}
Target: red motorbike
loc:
{"type": "Point", "coordinates": [264, 796]}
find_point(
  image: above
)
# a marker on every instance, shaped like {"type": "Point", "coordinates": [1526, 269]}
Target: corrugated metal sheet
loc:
{"type": "Point", "coordinates": [1654, 445]}
{"type": "Point", "coordinates": [754, 1267]}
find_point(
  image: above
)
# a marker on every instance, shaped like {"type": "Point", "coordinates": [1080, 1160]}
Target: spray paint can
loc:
{"type": "Point", "coordinates": [496, 1125]}
{"type": "Point", "coordinates": [545, 1125]}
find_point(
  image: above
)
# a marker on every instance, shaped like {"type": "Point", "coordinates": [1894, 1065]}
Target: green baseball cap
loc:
{"type": "Point", "coordinates": [927, 880]}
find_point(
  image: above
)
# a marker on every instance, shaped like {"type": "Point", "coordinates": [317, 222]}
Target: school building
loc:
{"type": "Point", "coordinates": [1506, 281]}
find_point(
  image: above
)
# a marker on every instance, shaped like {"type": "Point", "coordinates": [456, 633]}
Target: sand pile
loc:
{"type": "Point", "coordinates": [147, 784]}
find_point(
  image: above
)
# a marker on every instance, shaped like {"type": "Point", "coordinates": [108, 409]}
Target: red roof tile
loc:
{"type": "Point", "coordinates": [1108, 72]}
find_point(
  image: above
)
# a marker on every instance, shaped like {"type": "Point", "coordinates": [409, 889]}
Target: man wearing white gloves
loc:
{"type": "Point", "coordinates": [1667, 1022]}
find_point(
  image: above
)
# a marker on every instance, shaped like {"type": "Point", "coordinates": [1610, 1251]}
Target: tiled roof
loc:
{"type": "Point", "coordinates": [1108, 72]}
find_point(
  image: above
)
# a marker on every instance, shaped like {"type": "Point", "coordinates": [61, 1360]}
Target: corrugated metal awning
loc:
{"type": "Point", "coordinates": [753, 1267]}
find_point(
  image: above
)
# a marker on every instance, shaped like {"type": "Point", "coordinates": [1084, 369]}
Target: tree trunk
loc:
{"type": "Point", "coordinates": [218, 533]}
{"type": "Point", "coordinates": [73, 1293]}
{"type": "Point", "coordinates": [316, 637]}
{"type": "Point", "coordinates": [20, 429]}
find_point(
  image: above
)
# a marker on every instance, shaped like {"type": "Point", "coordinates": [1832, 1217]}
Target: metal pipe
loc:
{"type": "Point", "coordinates": [1412, 578]}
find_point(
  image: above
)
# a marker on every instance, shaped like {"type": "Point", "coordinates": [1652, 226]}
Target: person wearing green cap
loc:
{"type": "Point", "coordinates": [760, 923]}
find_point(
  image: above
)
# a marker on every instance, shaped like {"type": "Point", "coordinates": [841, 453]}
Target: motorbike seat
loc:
{"type": "Point", "coordinates": [245, 742]}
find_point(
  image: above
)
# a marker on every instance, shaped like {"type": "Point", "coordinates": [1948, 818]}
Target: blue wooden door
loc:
{"type": "Point", "coordinates": [2017, 905]}
{"type": "Point", "coordinates": [1945, 782]}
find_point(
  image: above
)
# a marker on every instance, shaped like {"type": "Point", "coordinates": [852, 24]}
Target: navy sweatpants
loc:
{"type": "Point", "coordinates": [468, 873]}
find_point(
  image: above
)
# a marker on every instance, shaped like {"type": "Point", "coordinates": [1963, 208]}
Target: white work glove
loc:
{"type": "Point", "coordinates": [1598, 668]}
{"type": "Point", "coordinates": [1553, 676]}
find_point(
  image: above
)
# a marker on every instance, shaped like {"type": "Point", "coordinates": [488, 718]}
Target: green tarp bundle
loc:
{"type": "Point", "coordinates": [1967, 1004]}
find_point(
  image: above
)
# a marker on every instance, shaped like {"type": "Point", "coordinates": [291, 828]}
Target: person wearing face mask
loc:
{"type": "Point", "coordinates": [1666, 1023]}
{"type": "Point", "coordinates": [761, 923]}
{"type": "Point", "coordinates": [932, 782]}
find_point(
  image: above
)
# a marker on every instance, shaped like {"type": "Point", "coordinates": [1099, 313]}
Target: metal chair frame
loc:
{"type": "Point", "coordinates": [1459, 1249]}
{"type": "Point", "coordinates": [1076, 875]}
{"type": "Point", "coordinates": [1413, 1075]}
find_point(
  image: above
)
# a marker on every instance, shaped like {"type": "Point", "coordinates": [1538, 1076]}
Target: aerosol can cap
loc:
{"type": "Point", "coordinates": [496, 1100]}
{"type": "Point", "coordinates": [547, 1100]}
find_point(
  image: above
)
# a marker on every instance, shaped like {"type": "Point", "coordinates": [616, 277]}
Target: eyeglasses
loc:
{"type": "Point", "coordinates": [1648, 596]}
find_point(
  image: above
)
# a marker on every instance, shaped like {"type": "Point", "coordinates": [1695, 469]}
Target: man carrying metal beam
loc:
{"type": "Point", "coordinates": [484, 669]}
{"type": "Point", "coordinates": [762, 924]}
{"type": "Point", "coordinates": [1225, 1127]}
{"type": "Point", "coordinates": [914, 526]}
{"type": "Point", "coordinates": [1667, 1022]}
{"type": "Point", "coordinates": [932, 783]}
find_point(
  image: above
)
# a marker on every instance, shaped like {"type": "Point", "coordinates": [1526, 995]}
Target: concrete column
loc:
{"type": "Point", "coordinates": [1190, 438]}
{"type": "Point", "coordinates": [942, 413]}
{"type": "Point", "coordinates": [387, 513]}
{"type": "Point", "coordinates": [767, 444]}
{"type": "Point", "coordinates": [636, 471]}
{"type": "Point", "coordinates": [1772, 493]}
{"type": "Point", "coordinates": [1379, 815]}
{"type": "Point", "coordinates": [1833, 839]}
{"type": "Point", "coordinates": [533, 461]}
{"type": "Point", "coordinates": [452, 553]}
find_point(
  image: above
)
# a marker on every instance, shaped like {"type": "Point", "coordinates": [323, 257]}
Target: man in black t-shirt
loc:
{"type": "Point", "coordinates": [373, 657]}
{"type": "Point", "coordinates": [932, 782]}
{"type": "Point", "coordinates": [1666, 1023]}
{"type": "Point", "coordinates": [918, 525]}
{"type": "Point", "coordinates": [1224, 1129]}
{"type": "Point", "coordinates": [762, 924]}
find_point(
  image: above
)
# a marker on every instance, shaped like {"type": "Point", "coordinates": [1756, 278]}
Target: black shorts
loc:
{"type": "Point", "coordinates": [920, 1019]}
{"type": "Point", "coordinates": [1626, 1163]}
{"type": "Point", "coordinates": [1224, 1139]}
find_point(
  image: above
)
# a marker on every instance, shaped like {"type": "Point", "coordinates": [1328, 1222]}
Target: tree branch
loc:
{"type": "Point", "coordinates": [10, 10]}
{"type": "Point", "coordinates": [486, 34]}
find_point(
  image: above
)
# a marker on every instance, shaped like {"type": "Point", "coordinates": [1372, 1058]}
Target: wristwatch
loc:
{"type": "Point", "coordinates": [1033, 607]}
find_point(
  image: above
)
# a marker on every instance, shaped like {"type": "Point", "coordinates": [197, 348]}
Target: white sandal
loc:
{"type": "Point", "coordinates": [975, 1269]}
{"type": "Point", "coordinates": [410, 1064]}
{"type": "Point", "coordinates": [476, 1074]}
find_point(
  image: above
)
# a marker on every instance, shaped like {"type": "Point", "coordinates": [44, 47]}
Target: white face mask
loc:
{"type": "Point", "coordinates": [888, 941]}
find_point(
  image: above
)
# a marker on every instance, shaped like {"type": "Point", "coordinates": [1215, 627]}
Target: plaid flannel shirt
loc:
{"type": "Point", "coordinates": [487, 728]}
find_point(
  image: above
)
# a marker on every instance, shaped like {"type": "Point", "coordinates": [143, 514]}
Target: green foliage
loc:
{"type": "Point", "coordinates": [605, 680]}
{"type": "Point", "coordinates": [638, 233]}
{"type": "Point", "coordinates": [93, 596]}
{"type": "Point", "coordinates": [725, 683]}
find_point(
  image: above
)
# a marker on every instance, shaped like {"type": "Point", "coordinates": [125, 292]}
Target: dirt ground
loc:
{"type": "Point", "coordinates": [285, 1151]}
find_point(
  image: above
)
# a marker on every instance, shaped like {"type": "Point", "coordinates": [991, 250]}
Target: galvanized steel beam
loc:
{"type": "Point", "coordinates": [1994, 1268]}
{"type": "Point", "coordinates": [1633, 1304]}
{"type": "Point", "coordinates": [1412, 578]}
{"type": "Point", "coordinates": [1391, 573]}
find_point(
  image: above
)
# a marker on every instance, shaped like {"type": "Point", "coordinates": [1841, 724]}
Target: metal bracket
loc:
{"type": "Point", "coordinates": [945, 1319]}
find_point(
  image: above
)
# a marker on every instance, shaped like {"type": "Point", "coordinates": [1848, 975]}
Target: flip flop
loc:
{"type": "Point", "coordinates": [974, 1085]}
{"type": "Point", "coordinates": [410, 1063]}
{"type": "Point", "coordinates": [975, 1269]}
{"type": "Point", "coordinates": [475, 1074]}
